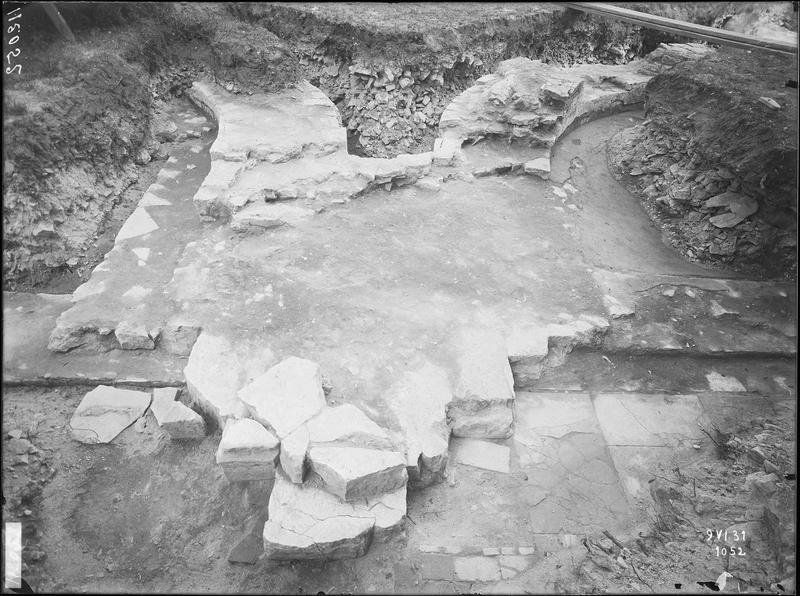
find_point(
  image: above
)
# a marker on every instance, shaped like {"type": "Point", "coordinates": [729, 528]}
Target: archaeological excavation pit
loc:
{"type": "Point", "coordinates": [342, 307]}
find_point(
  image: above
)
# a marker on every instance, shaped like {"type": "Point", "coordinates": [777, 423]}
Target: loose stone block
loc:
{"type": "Point", "coordinates": [482, 454]}
{"type": "Point", "coordinates": [178, 336]}
{"type": "Point", "coordinates": [419, 399]}
{"type": "Point", "coordinates": [177, 419]}
{"type": "Point", "coordinates": [133, 336]}
{"type": "Point", "coordinates": [307, 522]}
{"type": "Point", "coordinates": [347, 425]}
{"type": "Point", "coordinates": [354, 473]}
{"type": "Point", "coordinates": [484, 394]}
{"type": "Point", "coordinates": [213, 375]}
{"type": "Point", "coordinates": [105, 411]}
{"type": "Point", "coordinates": [293, 454]}
{"type": "Point", "coordinates": [538, 167]}
{"type": "Point", "coordinates": [286, 395]}
{"type": "Point", "coordinates": [247, 451]}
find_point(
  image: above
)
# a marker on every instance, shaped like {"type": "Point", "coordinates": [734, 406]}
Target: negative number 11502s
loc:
{"type": "Point", "coordinates": [14, 28]}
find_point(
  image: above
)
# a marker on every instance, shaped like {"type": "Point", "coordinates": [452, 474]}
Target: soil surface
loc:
{"type": "Point", "coordinates": [709, 137]}
{"type": "Point", "coordinates": [649, 459]}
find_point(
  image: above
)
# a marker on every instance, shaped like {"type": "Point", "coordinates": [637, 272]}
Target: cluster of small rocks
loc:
{"type": "Point", "coordinates": [27, 468]}
{"type": "Point", "coordinates": [707, 214]}
{"type": "Point", "coordinates": [391, 109]}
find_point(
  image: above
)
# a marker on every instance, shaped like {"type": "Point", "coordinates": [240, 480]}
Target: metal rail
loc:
{"type": "Point", "coordinates": [676, 27]}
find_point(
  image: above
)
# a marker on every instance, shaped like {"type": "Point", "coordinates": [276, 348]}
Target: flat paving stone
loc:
{"type": "Point", "coordinates": [481, 454]}
{"type": "Point", "coordinates": [28, 320]}
{"type": "Point", "coordinates": [638, 465]}
{"type": "Point", "coordinates": [574, 487]}
{"type": "Point", "coordinates": [105, 411]}
{"type": "Point", "coordinates": [649, 419]}
{"type": "Point", "coordinates": [553, 415]}
{"type": "Point", "coordinates": [477, 569]}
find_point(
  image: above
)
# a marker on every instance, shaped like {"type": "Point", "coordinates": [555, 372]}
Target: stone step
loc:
{"type": "Point", "coordinates": [706, 316]}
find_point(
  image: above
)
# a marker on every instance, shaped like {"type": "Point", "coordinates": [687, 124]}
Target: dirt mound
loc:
{"type": "Point", "coordinates": [67, 156]}
{"type": "Point", "coordinates": [716, 165]}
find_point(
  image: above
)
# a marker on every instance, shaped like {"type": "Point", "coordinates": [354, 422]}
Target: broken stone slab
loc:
{"type": "Point", "coordinates": [736, 203]}
{"type": "Point", "coordinates": [527, 347]}
{"type": "Point", "coordinates": [446, 151]}
{"type": "Point", "coordinates": [482, 405]}
{"type": "Point", "coordinates": [286, 395]}
{"type": "Point", "coordinates": [293, 454]}
{"type": "Point", "coordinates": [222, 175]}
{"type": "Point", "coordinates": [247, 451]}
{"type": "Point", "coordinates": [263, 216]}
{"type": "Point", "coordinates": [133, 336]}
{"type": "Point", "coordinates": [179, 336]}
{"type": "Point", "coordinates": [177, 419]}
{"type": "Point", "coordinates": [138, 224]}
{"type": "Point", "coordinates": [419, 399]}
{"type": "Point", "coordinates": [354, 473]}
{"type": "Point", "coordinates": [482, 454]}
{"type": "Point", "coordinates": [347, 425]}
{"type": "Point", "coordinates": [106, 411]}
{"type": "Point", "coordinates": [538, 167]}
{"type": "Point", "coordinates": [213, 376]}
{"type": "Point", "coordinates": [306, 522]}
{"type": "Point", "coordinates": [726, 220]}
{"type": "Point", "coordinates": [617, 309]}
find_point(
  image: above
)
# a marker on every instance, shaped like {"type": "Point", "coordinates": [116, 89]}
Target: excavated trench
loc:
{"type": "Point", "coordinates": [391, 107]}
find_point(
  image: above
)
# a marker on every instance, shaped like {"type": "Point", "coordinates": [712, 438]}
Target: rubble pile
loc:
{"type": "Point", "coordinates": [708, 214]}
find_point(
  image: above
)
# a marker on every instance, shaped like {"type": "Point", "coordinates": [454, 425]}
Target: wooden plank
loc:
{"type": "Point", "coordinates": [676, 27]}
{"type": "Point", "coordinates": [55, 16]}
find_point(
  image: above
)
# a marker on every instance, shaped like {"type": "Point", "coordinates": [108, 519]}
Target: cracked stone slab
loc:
{"type": "Point", "coordinates": [177, 419]}
{"type": "Point", "coordinates": [269, 215]}
{"type": "Point", "coordinates": [286, 396]}
{"type": "Point", "coordinates": [306, 522]}
{"type": "Point", "coordinates": [293, 454]}
{"type": "Point", "coordinates": [419, 399]}
{"type": "Point", "coordinates": [105, 411]}
{"type": "Point", "coordinates": [354, 473]}
{"type": "Point", "coordinates": [649, 419]}
{"type": "Point", "coordinates": [484, 394]}
{"type": "Point", "coordinates": [553, 415]}
{"type": "Point", "coordinates": [347, 425]}
{"type": "Point", "coordinates": [213, 376]}
{"type": "Point", "coordinates": [574, 487]}
{"type": "Point", "coordinates": [247, 451]}
{"type": "Point", "coordinates": [134, 336]}
{"type": "Point", "coordinates": [481, 454]}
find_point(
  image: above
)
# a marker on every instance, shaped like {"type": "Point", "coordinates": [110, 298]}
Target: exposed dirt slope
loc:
{"type": "Point", "coordinates": [715, 165]}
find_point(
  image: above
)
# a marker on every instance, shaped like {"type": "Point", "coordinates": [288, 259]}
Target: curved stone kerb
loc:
{"type": "Point", "coordinates": [536, 102]}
